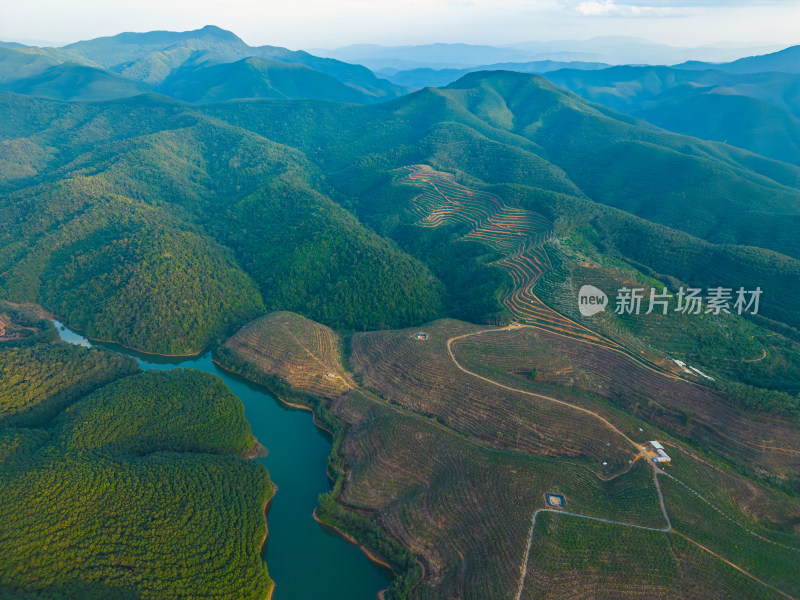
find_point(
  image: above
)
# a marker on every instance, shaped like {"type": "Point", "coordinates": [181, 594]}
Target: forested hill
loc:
{"type": "Point", "coordinates": [565, 144]}
{"type": "Point", "coordinates": [756, 111]}
{"type": "Point", "coordinates": [208, 64]}
{"type": "Point", "coordinates": [108, 473]}
{"type": "Point", "coordinates": [187, 220]}
{"type": "Point", "coordinates": [256, 78]}
{"type": "Point", "coordinates": [158, 227]}
{"type": "Point", "coordinates": [650, 206]}
{"type": "Point", "coordinates": [510, 128]}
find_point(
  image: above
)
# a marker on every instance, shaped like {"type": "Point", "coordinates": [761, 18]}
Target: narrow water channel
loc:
{"type": "Point", "coordinates": [305, 561]}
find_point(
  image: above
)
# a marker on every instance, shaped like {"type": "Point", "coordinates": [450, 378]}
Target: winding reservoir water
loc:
{"type": "Point", "coordinates": [305, 561]}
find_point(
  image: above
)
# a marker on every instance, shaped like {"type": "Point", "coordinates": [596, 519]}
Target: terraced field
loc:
{"type": "Point", "coordinates": [464, 508]}
{"type": "Point", "coordinates": [459, 499]}
{"type": "Point", "coordinates": [581, 560]}
{"type": "Point", "coordinates": [519, 235]}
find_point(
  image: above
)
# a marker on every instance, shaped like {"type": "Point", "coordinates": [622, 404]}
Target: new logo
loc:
{"type": "Point", "coordinates": [591, 300]}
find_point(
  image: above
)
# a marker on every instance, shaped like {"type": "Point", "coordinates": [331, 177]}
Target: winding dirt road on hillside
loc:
{"type": "Point", "coordinates": [656, 472]}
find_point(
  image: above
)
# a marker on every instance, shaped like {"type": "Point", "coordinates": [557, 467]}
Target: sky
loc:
{"type": "Point", "coordinates": [330, 23]}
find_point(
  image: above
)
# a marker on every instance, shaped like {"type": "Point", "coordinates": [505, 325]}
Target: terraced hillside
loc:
{"type": "Point", "coordinates": [421, 376]}
{"type": "Point", "coordinates": [446, 442]}
{"type": "Point", "coordinates": [759, 366]}
{"type": "Point", "coordinates": [518, 235]}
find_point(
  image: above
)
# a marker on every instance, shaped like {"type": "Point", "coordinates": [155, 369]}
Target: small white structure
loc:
{"type": "Point", "coordinates": [690, 370]}
{"type": "Point", "coordinates": [699, 372]}
{"type": "Point", "coordinates": [682, 365]}
{"type": "Point", "coordinates": [655, 452]}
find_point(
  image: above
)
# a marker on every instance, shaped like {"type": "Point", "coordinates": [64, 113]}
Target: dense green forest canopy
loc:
{"type": "Point", "coordinates": [177, 223]}
{"type": "Point", "coordinates": [700, 203]}
{"type": "Point", "coordinates": [181, 226]}
{"type": "Point", "coordinates": [108, 474]}
{"type": "Point", "coordinates": [208, 64]}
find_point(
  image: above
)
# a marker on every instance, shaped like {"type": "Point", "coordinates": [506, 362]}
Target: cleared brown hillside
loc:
{"type": "Point", "coordinates": [755, 441]}
{"type": "Point", "coordinates": [298, 350]}
{"type": "Point", "coordinates": [453, 467]}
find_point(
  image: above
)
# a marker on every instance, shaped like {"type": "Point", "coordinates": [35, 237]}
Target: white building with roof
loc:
{"type": "Point", "coordinates": [655, 452]}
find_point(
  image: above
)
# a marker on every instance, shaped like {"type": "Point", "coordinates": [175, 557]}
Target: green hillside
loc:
{"type": "Point", "coordinates": [785, 61]}
{"type": "Point", "coordinates": [187, 226]}
{"type": "Point", "coordinates": [123, 484]}
{"type": "Point", "coordinates": [68, 81]}
{"type": "Point", "coordinates": [493, 128]}
{"type": "Point", "coordinates": [21, 62]}
{"type": "Point", "coordinates": [129, 46]}
{"type": "Point", "coordinates": [429, 77]}
{"type": "Point", "coordinates": [122, 270]}
{"type": "Point", "coordinates": [757, 111]}
{"type": "Point", "coordinates": [153, 56]}
{"type": "Point", "coordinates": [209, 64]}
{"type": "Point", "coordinates": [255, 78]}
{"type": "Point", "coordinates": [705, 189]}
{"type": "Point", "coordinates": [629, 88]}
{"type": "Point", "coordinates": [740, 121]}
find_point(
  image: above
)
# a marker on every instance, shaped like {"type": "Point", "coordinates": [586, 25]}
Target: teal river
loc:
{"type": "Point", "coordinates": [305, 560]}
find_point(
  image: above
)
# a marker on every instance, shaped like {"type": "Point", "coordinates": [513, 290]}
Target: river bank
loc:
{"type": "Point", "coordinates": [297, 459]}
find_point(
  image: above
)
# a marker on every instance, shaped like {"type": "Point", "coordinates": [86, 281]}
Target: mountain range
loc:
{"type": "Point", "coordinates": [751, 102]}
{"type": "Point", "coordinates": [607, 49]}
{"type": "Point", "coordinates": [130, 63]}
{"type": "Point", "coordinates": [408, 266]}
{"type": "Point", "coordinates": [756, 111]}
{"type": "Point", "coordinates": [280, 155]}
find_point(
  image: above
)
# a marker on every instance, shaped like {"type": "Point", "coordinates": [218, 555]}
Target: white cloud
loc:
{"type": "Point", "coordinates": [609, 8]}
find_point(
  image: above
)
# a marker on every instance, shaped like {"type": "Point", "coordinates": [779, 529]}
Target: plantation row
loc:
{"type": "Point", "coordinates": [757, 508]}
{"type": "Point", "coordinates": [758, 369]}
{"type": "Point", "coordinates": [519, 235]}
{"type": "Point", "coordinates": [450, 501]}
{"type": "Point", "coordinates": [680, 407]}
{"type": "Point", "coordinates": [747, 524]}
{"type": "Point", "coordinates": [421, 377]}
{"type": "Point", "coordinates": [576, 559]}
{"type": "Point", "coordinates": [307, 357]}
{"type": "Point", "coordinates": [773, 564]}
{"type": "Point", "coordinates": [461, 506]}
{"type": "Point", "coordinates": [459, 502]}
{"type": "Point", "coordinates": [721, 518]}
{"type": "Point", "coordinates": [430, 460]}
